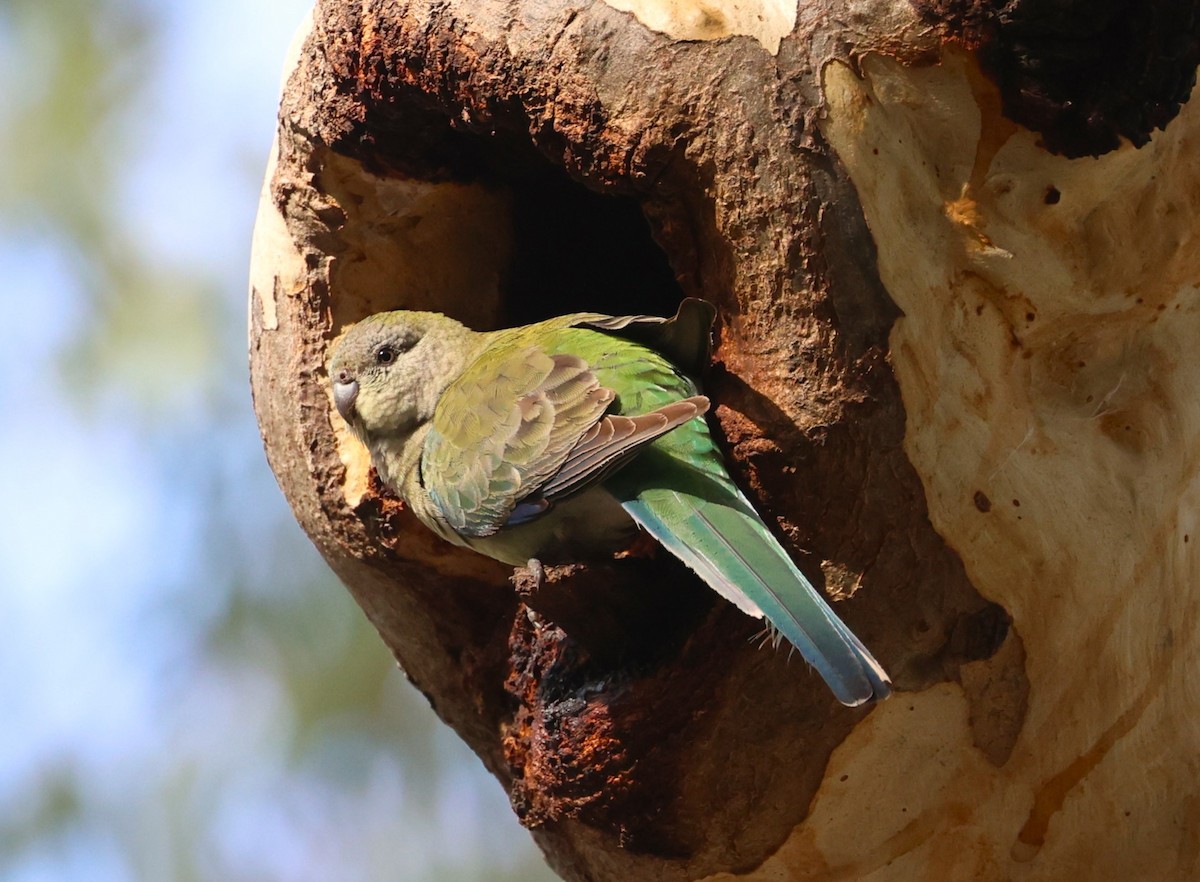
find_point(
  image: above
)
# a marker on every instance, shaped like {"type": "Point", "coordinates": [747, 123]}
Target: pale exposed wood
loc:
{"type": "Point", "coordinates": [1047, 360]}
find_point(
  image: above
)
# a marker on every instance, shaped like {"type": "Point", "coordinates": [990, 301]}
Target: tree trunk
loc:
{"type": "Point", "coordinates": [957, 280]}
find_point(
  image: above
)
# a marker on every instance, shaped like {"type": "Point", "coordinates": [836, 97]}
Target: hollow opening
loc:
{"type": "Point", "coordinates": [578, 250]}
{"type": "Point", "coordinates": [505, 236]}
{"type": "Point", "coordinates": [490, 231]}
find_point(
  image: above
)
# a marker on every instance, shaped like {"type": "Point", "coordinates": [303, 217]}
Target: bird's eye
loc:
{"type": "Point", "coordinates": [385, 355]}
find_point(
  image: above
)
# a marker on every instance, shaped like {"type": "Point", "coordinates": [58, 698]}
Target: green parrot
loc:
{"type": "Point", "coordinates": [554, 441]}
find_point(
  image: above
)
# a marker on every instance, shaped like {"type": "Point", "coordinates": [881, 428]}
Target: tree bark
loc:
{"type": "Point", "coordinates": [953, 246]}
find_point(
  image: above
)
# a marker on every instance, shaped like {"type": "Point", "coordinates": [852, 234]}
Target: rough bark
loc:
{"type": "Point", "coordinates": [953, 364]}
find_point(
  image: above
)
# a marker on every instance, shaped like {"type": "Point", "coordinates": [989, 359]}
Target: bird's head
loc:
{"type": "Point", "coordinates": [389, 370]}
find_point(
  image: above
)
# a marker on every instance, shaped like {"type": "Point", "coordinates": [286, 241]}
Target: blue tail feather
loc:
{"type": "Point", "coordinates": [728, 546]}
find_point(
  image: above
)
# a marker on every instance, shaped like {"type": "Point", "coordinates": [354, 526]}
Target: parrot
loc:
{"type": "Point", "coordinates": [553, 441]}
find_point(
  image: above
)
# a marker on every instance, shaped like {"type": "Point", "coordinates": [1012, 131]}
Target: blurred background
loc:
{"type": "Point", "coordinates": [186, 692]}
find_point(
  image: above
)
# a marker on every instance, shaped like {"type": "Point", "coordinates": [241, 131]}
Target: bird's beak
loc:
{"type": "Point", "coordinates": [344, 393]}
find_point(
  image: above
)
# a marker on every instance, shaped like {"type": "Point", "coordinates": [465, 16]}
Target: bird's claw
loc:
{"type": "Point", "coordinates": [537, 573]}
{"type": "Point", "coordinates": [530, 578]}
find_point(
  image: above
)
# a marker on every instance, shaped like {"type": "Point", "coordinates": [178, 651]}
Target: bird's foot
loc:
{"type": "Point", "coordinates": [537, 572]}
{"type": "Point", "coordinates": [530, 578]}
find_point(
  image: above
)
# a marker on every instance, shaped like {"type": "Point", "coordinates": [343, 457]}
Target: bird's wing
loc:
{"type": "Point", "coordinates": [685, 339]}
{"type": "Point", "coordinates": [523, 428]}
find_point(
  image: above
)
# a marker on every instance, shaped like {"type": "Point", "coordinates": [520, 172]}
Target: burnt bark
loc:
{"type": "Point", "coordinates": [507, 161]}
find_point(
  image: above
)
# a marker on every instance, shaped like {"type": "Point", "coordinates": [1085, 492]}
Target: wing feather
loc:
{"type": "Point", "coordinates": [613, 440]}
{"type": "Point", "coordinates": [523, 428]}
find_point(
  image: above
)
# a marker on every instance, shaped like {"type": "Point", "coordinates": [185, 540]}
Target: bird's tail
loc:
{"type": "Point", "coordinates": [728, 546]}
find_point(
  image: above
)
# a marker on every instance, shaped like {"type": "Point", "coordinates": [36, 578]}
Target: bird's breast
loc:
{"type": "Point", "coordinates": [587, 526]}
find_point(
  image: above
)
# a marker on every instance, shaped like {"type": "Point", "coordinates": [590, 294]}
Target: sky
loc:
{"type": "Point", "coordinates": [188, 693]}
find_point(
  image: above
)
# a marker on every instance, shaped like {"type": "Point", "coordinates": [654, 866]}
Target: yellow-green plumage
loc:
{"type": "Point", "coordinates": [552, 440]}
